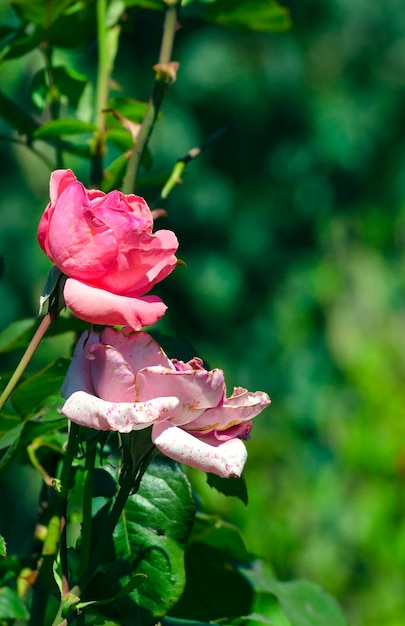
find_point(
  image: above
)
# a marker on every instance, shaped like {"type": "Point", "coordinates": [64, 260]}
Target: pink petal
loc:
{"type": "Point", "coordinates": [80, 245]}
{"type": "Point", "coordinates": [143, 260]}
{"type": "Point", "coordinates": [224, 459]}
{"type": "Point", "coordinates": [196, 390]}
{"type": "Point", "coordinates": [79, 376]}
{"type": "Point", "coordinates": [88, 410]}
{"type": "Point", "coordinates": [242, 406]}
{"type": "Point", "coordinates": [102, 307]}
{"type": "Point", "coordinates": [60, 179]}
{"type": "Point", "coordinates": [138, 349]}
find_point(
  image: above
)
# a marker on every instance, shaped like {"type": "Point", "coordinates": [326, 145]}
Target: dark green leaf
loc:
{"type": "Point", "coordinates": [229, 486]}
{"type": "Point", "coordinates": [11, 606]}
{"type": "Point", "coordinates": [28, 396]}
{"type": "Point", "coordinates": [59, 128]}
{"type": "Point", "coordinates": [152, 534]}
{"type": "Point", "coordinates": [177, 621]}
{"type": "Point", "coordinates": [245, 15]}
{"type": "Point", "coordinates": [212, 556]}
{"type": "Point", "coordinates": [16, 117]}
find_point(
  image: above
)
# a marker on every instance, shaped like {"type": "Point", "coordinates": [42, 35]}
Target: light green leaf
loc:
{"type": "Point", "coordinates": [11, 606]}
{"type": "Point", "coordinates": [245, 15]}
{"type": "Point", "coordinates": [302, 602]}
{"type": "Point", "coordinates": [59, 128]}
{"type": "Point", "coordinates": [20, 333]}
{"type": "Point", "coordinates": [3, 547]}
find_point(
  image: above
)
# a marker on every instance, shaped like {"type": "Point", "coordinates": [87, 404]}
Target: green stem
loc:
{"type": "Point", "coordinates": [155, 101]}
{"type": "Point", "coordinates": [85, 543]}
{"type": "Point", "coordinates": [107, 38]}
{"type": "Point", "coordinates": [54, 105]}
{"type": "Point", "coordinates": [27, 356]}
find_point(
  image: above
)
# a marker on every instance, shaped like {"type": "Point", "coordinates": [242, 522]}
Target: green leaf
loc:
{"type": "Point", "coordinates": [152, 533]}
{"type": "Point", "coordinates": [28, 396]}
{"type": "Point", "coordinates": [48, 422]}
{"type": "Point", "coordinates": [20, 333]}
{"type": "Point", "coordinates": [67, 85]}
{"type": "Point", "coordinates": [59, 128]}
{"type": "Point", "coordinates": [129, 108]}
{"type": "Point", "coordinates": [3, 547]}
{"type": "Point", "coordinates": [212, 557]}
{"type": "Point", "coordinates": [114, 174]}
{"type": "Point", "coordinates": [229, 486]}
{"type": "Point", "coordinates": [245, 15]}
{"type": "Point", "coordinates": [302, 602]}
{"type": "Point", "coordinates": [155, 5]}
{"type": "Point", "coordinates": [176, 621]}
{"type": "Point", "coordinates": [40, 12]}
{"type": "Point", "coordinates": [11, 606]}
{"type": "Point", "coordinates": [16, 117]}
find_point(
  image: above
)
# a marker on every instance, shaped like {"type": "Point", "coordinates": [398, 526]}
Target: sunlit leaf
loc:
{"type": "Point", "coordinates": [59, 128]}
{"type": "Point", "coordinates": [20, 333]}
{"type": "Point", "coordinates": [3, 547]}
{"type": "Point", "coordinates": [11, 606]}
{"type": "Point", "coordinates": [302, 602]}
{"type": "Point", "coordinates": [256, 15]}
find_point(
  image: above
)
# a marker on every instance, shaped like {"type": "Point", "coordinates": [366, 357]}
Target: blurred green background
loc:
{"type": "Point", "coordinates": [292, 231]}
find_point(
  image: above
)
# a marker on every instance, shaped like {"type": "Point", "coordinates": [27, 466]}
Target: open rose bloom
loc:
{"type": "Point", "coordinates": [124, 381]}
{"type": "Point", "coordinates": [105, 246]}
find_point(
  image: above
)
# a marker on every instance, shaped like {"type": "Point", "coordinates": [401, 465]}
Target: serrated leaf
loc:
{"type": "Point", "coordinates": [152, 534]}
{"type": "Point", "coordinates": [3, 547]}
{"type": "Point", "coordinates": [60, 128]}
{"type": "Point", "coordinates": [235, 487]}
{"type": "Point", "coordinates": [11, 606]}
{"type": "Point", "coordinates": [16, 117]}
{"type": "Point", "coordinates": [245, 15]}
{"type": "Point", "coordinates": [28, 396]}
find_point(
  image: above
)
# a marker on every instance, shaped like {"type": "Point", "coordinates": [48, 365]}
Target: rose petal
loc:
{"type": "Point", "coordinates": [79, 376]}
{"type": "Point", "coordinates": [224, 459]}
{"type": "Point", "coordinates": [196, 390]}
{"type": "Point", "coordinates": [80, 245]}
{"type": "Point", "coordinates": [138, 349]}
{"type": "Point", "coordinates": [236, 409]}
{"type": "Point", "coordinates": [102, 307]}
{"type": "Point", "coordinates": [87, 410]}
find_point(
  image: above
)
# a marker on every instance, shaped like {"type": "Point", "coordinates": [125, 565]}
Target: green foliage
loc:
{"type": "Point", "coordinates": [11, 606]}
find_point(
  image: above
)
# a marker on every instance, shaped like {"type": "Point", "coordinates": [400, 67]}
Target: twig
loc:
{"type": "Point", "coordinates": [165, 72]}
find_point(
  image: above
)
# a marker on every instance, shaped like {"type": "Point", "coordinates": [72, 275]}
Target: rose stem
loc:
{"type": "Point", "coordinates": [155, 101]}
{"type": "Point", "coordinates": [85, 544]}
{"type": "Point", "coordinates": [27, 356]}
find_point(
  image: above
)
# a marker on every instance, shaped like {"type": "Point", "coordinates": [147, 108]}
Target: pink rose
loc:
{"type": "Point", "coordinates": [105, 246]}
{"type": "Point", "coordinates": [124, 381]}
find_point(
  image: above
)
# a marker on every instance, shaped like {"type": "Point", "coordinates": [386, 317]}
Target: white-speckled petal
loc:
{"type": "Point", "coordinates": [224, 459]}
{"type": "Point", "coordinates": [88, 410]}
